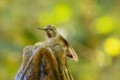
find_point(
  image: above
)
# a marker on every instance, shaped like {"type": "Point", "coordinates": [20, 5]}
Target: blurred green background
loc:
{"type": "Point", "coordinates": [91, 26]}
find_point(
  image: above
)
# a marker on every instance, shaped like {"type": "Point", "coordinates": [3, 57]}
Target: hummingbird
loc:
{"type": "Point", "coordinates": [54, 36]}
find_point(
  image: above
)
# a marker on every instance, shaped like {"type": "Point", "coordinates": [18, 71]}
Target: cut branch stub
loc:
{"type": "Point", "coordinates": [44, 63]}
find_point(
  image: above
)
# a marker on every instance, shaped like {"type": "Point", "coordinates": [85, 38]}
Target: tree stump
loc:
{"type": "Point", "coordinates": [44, 62]}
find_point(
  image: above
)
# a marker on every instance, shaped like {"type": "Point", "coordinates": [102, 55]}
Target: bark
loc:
{"type": "Point", "coordinates": [41, 62]}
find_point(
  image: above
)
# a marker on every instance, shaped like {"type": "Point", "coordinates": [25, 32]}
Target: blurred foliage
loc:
{"type": "Point", "coordinates": [91, 26]}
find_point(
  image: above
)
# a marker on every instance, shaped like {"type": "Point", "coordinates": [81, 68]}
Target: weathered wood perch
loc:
{"type": "Point", "coordinates": [43, 62]}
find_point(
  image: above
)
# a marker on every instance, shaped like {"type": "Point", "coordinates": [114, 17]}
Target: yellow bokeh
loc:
{"type": "Point", "coordinates": [104, 25]}
{"type": "Point", "coordinates": [60, 13]}
{"type": "Point", "coordinates": [112, 46]}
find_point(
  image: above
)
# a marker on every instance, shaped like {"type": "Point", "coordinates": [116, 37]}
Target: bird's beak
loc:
{"type": "Point", "coordinates": [41, 29]}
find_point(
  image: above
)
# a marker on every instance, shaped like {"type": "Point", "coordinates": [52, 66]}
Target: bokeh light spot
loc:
{"type": "Point", "coordinates": [104, 25]}
{"type": "Point", "coordinates": [60, 13]}
{"type": "Point", "coordinates": [112, 46]}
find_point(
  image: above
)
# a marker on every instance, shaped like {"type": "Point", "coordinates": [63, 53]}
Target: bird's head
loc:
{"type": "Point", "coordinates": [50, 31]}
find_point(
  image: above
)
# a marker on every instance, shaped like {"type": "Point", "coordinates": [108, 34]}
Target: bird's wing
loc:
{"type": "Point", "coordinates": [70, 52]}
